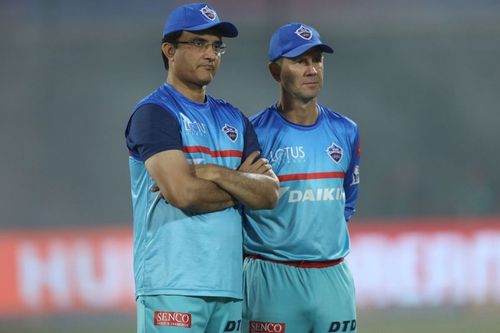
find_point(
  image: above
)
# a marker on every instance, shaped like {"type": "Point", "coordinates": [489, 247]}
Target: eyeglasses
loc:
{"type": "Point", "coordinates": [218, 47]}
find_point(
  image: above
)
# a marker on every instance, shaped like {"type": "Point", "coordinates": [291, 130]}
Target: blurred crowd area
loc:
{"type": "Point", "coordinates": [421, 79]}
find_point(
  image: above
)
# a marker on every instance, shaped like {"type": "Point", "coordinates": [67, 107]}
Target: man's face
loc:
{"type": "Point", "coordinates": [195, 61]}
{"type": "Point", "coordinates": [302, 76]}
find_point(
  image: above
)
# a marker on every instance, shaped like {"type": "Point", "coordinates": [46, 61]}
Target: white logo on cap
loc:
{"type": "Point", "coordinates": [209, 13]}
{"type": "Point", "coordinates": [304, 32]}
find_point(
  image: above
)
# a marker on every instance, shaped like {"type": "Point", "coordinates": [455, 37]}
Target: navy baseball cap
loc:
{"type": "Point", "coordinates": [196, 17]}
{"type": "Point", "coordinates": [293, 39]}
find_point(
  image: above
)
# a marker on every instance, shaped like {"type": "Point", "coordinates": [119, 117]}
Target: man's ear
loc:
{"type": "Point", "coordinates": [168, 50]}
{"type": "Point", "coordinates": [275, 70]}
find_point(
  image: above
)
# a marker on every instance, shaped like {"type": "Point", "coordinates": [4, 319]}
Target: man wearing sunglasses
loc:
{"type": "Point", "coordinates": [193, 159]}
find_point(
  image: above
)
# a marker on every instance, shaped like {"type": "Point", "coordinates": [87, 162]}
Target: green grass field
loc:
{"type": "Point", "coordinates": [484, 319]}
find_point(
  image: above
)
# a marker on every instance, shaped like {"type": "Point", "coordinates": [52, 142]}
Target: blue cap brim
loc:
{"type": "Point", "coordinates": [226, 29]}
{"type": "Point", "coordinates": [304, 48]}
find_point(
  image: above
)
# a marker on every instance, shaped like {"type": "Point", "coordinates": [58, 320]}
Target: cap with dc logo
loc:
{"type": "Point", "coordinates": [293, 39]}
{"type": "Point", "coordinates": [196, 17]}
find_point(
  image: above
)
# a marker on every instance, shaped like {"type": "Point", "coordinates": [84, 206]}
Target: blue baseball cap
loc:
{"type": "Point", "coordinates": [196, 17]}
{"type": "Point", "coordinates": [293, 39]}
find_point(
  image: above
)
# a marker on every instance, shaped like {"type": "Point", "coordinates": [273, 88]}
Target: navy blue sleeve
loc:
{"type": "Point", "coordinates": [351, 180]}
{"type": "Point", "coordinates": [251, 142]}
{"type": "Point", "coordinates": [150, 130]}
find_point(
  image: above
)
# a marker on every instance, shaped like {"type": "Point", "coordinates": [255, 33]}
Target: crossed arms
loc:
{"type": "Point", "coordinates": [206, 188]}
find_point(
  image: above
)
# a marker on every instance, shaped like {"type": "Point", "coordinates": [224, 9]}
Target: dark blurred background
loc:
{"type": "Point", "coordinates": [421, 79]}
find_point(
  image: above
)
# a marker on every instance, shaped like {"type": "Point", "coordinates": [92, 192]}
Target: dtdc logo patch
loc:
{"type": "Point", "coordinates": [231, 132]}
{"type": "Point", "coordinates": [304, 32]}
{"type": "Point", "coordinates": [335, 152]}
{"type": "Point", "coordinates": [209, 13]}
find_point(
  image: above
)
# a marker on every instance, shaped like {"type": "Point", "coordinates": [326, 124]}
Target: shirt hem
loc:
{"type": "Point", "coordinates": [186, 292]}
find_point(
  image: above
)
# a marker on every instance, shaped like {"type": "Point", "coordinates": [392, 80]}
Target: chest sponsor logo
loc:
{"type": "Point", "coordinates": [192, 127]}
{"type": "Point", "coordinates": [317, 194]}
{"type": "Point", "coordinates": [290, 154]}
{"type": "Point", "coordinates": [335, 152]}
{"type": "Point", "coordinates": [170, 318]}
{"type": "Point", "coordinates": [231, 132]}
{"type": "Point", "coordinates": [266, 327]}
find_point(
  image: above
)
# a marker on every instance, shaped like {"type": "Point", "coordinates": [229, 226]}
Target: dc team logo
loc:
{"type": "Point", "coordinates": [335, 152]}
{"type": "Point", "coordinates": [304, 32]}
{"type": "Point", "coordinates": [209, 13]}
{"type": "Point", "coordinates": [231, 132]}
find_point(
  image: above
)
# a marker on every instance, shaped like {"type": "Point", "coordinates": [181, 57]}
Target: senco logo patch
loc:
{"type": "Point", "coordinates": [231, 132]}
{"type": "Point", "coordinates": [304, 32]}
{"type": "Point", "coordinates": [335, 152]}
{"type": "Point", "coordinates": [264, 327]}
{"type": "Point", "coordinates": [168, 318]}
{"type": "Point", "coordinates": [209, 13]}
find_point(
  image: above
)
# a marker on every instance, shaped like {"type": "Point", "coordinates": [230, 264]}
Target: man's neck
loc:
{"type": "Point", "coordinates": [190, 91]}
{"type": "Point", "coordinates": [298, 112]}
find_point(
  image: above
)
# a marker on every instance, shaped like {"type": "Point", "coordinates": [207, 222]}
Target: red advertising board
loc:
{"type": "Point", "coordinates": [394, 263]}
{"type": "Point", "coordinates": [66, 270]}
{"type": "Point", "coordinates": [426, 262]}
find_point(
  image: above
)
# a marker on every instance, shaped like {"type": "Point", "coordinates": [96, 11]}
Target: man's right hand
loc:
{"type": "Point", "coordinates": [255, 164]}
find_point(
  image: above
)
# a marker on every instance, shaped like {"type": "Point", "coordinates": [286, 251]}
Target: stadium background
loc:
{"type": "Point", "coordinates": [421, 78]}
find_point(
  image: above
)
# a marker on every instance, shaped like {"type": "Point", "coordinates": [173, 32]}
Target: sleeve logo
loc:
{"type": "Point", "coordinates": [355, 175]}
